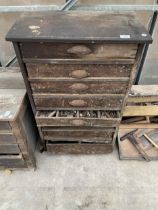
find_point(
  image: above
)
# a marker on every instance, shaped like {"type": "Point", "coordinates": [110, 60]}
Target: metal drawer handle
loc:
{"type": "Point", "coordinates": [78, 103]}
{"type": "Point", "coordinates": [79, 50]}
{"type": "Point", "coordinates": [78, 122]}
{"type": "Point", "coordinates": [79, 74]}
{"type": "Point", "coordinates": [79, 86]}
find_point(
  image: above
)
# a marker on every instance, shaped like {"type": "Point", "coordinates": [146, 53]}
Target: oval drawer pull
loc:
{"type": "Point", "coordinates": [79, 86]}
{"type": "Point", "coordinates": [79, 50]}
{"type": "Point", "coordinates": [79, 74]}
{"type": "Point", "coordinates": [80, 103]}
{"type": "Point", "coordinates": [78, 122]}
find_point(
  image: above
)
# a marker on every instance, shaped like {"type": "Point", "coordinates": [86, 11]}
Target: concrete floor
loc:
{"type": "Point", "coordinates": [100, 182]}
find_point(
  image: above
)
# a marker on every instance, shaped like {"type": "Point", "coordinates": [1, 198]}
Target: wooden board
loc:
{"type": "Point", "coordinates": [150, 110]}
{"type": "Point", "coordinates": [12, 161]}
{"type": "Point", "coordinates": [79, 26]}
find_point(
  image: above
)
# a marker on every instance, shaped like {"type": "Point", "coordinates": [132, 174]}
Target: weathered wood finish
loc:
{"type": "Point", "coordinates": [44, 119]}
{"type": "Point", "coordinates": [69, 148]}
{"type": "Point", "coordinates": [76, 51]}
{"type": "Point", "coordinates": [17, 136]}
{"type": "Point", "coordinates": [4, 126]}
{"type": "Point", "coordinates": [45, 70]}
{"type": "Point", "coordinates": [12, 161]}
{"type": "Point", "coordinates": [94, 86]}
{"type": "Point", "coordinates": [78, 67]}
{"type": "Point", "coordinates": [9, 149]}
{"type": "Point", "coordinates": [80, 134]}
{"type": "Point", "coordinates": [7, 138]}
{"type": "Point", "coordinates": [98, 102]}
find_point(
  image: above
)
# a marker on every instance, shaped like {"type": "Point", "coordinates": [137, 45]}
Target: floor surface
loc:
{"type": "Point", "coordinates": [97, 182]}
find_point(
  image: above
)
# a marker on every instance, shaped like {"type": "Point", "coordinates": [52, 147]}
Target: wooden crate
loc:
{"type": "Point", "coordinates": [17, 126]}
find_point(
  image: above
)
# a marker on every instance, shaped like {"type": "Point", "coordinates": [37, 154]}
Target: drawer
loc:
{"type": "Point", "coordinates": [7, 139]}
{"type": "Point", "coordinates": [88, 86]}
{"type": "Point", "coordinates": [76, 148]}
{"type": "Point", "coordinates": [4, 126]}
{"type": "Point", "coordinates": [12, 161]}
{"type": "Point", "coordinates": [77, 71]}
{"type": "Point", "coordinates": [91, 51]}
{"type": "Point", "coordinates": [86, 134]}
{"type": "Point", "coordinates": [78, 118]}
{"type": "Point", "coordinates": [88, 102]}
{"type": "Point", "coordinates": [9, 149]}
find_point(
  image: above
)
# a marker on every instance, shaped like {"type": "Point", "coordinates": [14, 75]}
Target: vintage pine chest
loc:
{"type": "Point", "coordinates": [78, 68]}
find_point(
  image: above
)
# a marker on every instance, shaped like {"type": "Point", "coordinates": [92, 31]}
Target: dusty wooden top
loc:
{"type": "Point", "coordinates": [12, 93]}
{"type": "Point", "coordinates": [79, 27]}
{"type": "Point", "coordinates": [10, 103]}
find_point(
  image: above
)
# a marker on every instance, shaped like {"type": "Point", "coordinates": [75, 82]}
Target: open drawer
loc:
{"type": "Point", "coordinates": [78, 118]}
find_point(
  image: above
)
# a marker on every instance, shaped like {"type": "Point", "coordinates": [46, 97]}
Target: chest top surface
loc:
{"type": "Point", "coordinates": [79, 27]}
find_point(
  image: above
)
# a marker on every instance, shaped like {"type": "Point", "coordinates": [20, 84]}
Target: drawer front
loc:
{"type": "Point", "coordinates": [76, 148]}
{"type": "Point", "coordinates": [102, 102]}
{"type": "Point", "coordinates": [12, 161]}
{"type": "Point", "coordinates": [4, 126]}
{"type": "Point", "coordinates": [81, 87]}
{"type": "Point", "coordinates": [80, 134]}
{"type": "Point", "coordinates": [78, 118]}
{"type": "Point", "coordinates": [7, 139]}
{"type": "Point", "coordinates": [9, 149]}
{"type": "Point", "coordinates": [77, 71]}
{"type": "Point", "coordinates": [78, 51]}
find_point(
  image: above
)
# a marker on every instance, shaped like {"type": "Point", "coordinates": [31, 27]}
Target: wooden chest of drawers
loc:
{"type": "Point", "coordinates": [78, 69]}
{"type": "Point", "coordinates": [17, 131]}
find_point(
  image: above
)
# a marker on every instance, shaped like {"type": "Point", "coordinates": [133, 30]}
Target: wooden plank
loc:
{"type": "Point", "coordinates": [139, 125]}
{"type": "Point", "coordinates": [9, 149]}
{"type": "Point", "coordinates": [7, 139]}
{"type": "Point", "coordinates": [79, 148]}
{"type": "Point", "coordinates": [12, 161]}
{"type": "Point", "coordinates": [79, 26]}
{"type": "Point", "coordinates": [4, 126]}
{"type": "Point", "coordinates": [141, 111]}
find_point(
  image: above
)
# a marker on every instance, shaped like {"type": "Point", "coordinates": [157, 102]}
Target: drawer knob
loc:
{"type": "Point", "coordinates": [79, 74]}
{"type": "Point", "coordinates": [78, 122]}
{"type": "Point", "coordinates": [79, 50]}
{"type": "Point", "coordinates": [78, 103]}
{"type": "Point", "coordinates": [79, 86]}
